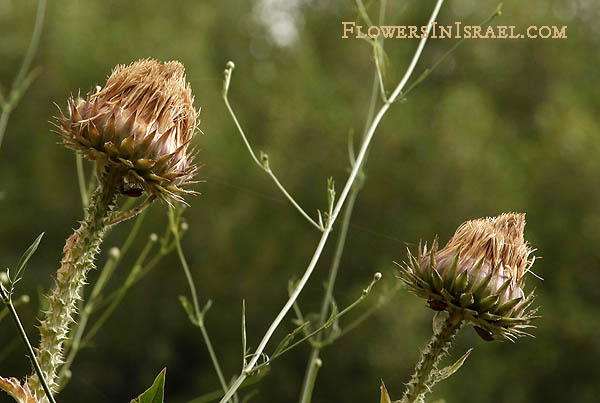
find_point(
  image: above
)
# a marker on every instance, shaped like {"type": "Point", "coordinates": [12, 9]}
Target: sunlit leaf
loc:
{"type": "Point", "coordinates": [385, 397]}
{"type": "Point", "coordinates": [188, 309]}
{"type": "Point", "coordinates": [289, 337]}
{"type": "Point", "coordinates": [25, 258]}
{"type": "Point", "coordinates": [451, 369]}
{"type": "Point", "coordinates": [156, 392]}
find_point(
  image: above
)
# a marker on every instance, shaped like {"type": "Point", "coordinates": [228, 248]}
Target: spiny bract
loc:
{"type": "Point", "coordinates": [481, 272]}
{"type": "Point", "coordinates": [141, 123]}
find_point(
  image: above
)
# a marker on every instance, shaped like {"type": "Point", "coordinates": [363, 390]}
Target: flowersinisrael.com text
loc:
{"type": "Point", "coordinates": [456, 30]}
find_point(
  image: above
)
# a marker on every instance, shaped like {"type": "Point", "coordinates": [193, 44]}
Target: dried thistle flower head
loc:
{"type": "Point", "coordinates": [141, 123]}
{"type": "Point", "coordinates": [481, 272]}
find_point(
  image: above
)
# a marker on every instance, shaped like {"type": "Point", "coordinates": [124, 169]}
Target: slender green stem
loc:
{"type": "Point", "coordinates": [264, 165]}
{"type": "Point", "coordinates": [36, 365]}
{"type": "Point", "coordinates": [427, 71]}
{"type": "Point", "coordinates": [213, 356]}
{"type": "Point", "coordinates": [244, 346]}
{"type": "Point", "coordinates": [379, 76]}
{"type": "Point", "coordinates": [438, 346]}
{"type": "Point", "coordinates": [311, 367]}
{"type": "Point", "coordinates": [24, 77]}
{"type": "Point", "coordinates": [198, 313]}
{"type": "Point", "coordinates": [315, 365]}
{"type": "Point", "coordinates": [184, 264]}
{"type": "Point", "coordinates": [105, 275]}
{"type": "Point", "coordinates": [142, 273]}
{"type": "Point", "coordinates": [382, 111]}
{"type": "Point", "coordinates": [252, 367]}
{"type": "Point", "coordinates": [340, 203]}
{"type": "Point", "coordinates": [152, 263]}
{"type": "Point", "coordinates": [129, 281]}
{"type": "Point", "coordinates": [310, 375]}
{"type": "Point", "coordinates": [377, 45]}
{"type": "Point", "coordinates": [363, 12]}
{"type": "Point", "coordinates": [365, 293]}
{"type": "Point", "coordinates": [129, 240]}
{"type": "Point", "coordinates": [23, 299]}
{"type": "Point", "coordinates": [6, 110]}
{"type": "Point", "coordinates": [33, 44]}
{"type": "Point", "coordinates": [215, 395]}
{"type": "Point", "coordinates": [356, 322]}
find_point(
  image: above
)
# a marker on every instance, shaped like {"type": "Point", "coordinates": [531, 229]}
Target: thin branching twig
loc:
{"type": "Point", "coordinates": [263, 163]}
{"type": "Point", "coordinates": [24, 77]}
{"type": "Point", "coordinates": [335, 209]}
{"type": "Point", "coordinates": [196, 313]}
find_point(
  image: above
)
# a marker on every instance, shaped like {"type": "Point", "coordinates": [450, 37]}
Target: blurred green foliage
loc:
{"type": "Point", "coordinates": [503, 125]}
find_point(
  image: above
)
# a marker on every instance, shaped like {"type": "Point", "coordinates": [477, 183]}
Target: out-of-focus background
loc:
{"type": "Point", "coordinates": [502, 125]}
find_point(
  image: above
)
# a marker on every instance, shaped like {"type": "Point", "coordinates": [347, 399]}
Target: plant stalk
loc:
{"type": "Point", "coordinates": [438, 346]}
{"type": "Point", "coordinates": [22, 80]}
{"type": "Point", "coordinates": [312, 367]}
{"type": "Point", "coordinates": [80, 252]}
{"type": "Point", "coordinates": [13, 312]}
{"type": "Point", "coordinates": [340, 203]}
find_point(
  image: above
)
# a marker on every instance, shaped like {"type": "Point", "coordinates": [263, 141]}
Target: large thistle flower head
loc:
{"type": "Point", "coordinates": [481, 273]}
{"type": "Point", "coordinates": [140, 123]}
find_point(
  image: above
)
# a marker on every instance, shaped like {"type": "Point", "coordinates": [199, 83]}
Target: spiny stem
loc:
{"type": "Point", "coordinates": [75, 343]}
{"type": "Point", "coordinates": [115, 256]}
{"type": "Point", "coordinates": [438, 346]}
{"type": "Point", "coordinates": [80, 251]}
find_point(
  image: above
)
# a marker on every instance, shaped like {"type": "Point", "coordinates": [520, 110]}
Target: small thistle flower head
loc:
{"type": "Point", "coordinates": [141, 123]}
{"type": "Point", "coordinates": [480, 272]}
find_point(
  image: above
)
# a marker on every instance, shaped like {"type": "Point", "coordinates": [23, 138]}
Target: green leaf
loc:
{"type": "Point", "coordinates": [438, 283]}
{"type": "Point", "coordinates": [385, 397]}
{"type": "Point", "coordinates": [289, 337]}
{"type": "Point", "coordinates": [450, 274]}
{"type": "Point", "coordinates": [26, 256]}
{"type": "Point", "coordinates": [156, 392]}
{"type": "Point", "coordinates": [188, 308]}
{"type": "Point", "coordinates": [451, 369]}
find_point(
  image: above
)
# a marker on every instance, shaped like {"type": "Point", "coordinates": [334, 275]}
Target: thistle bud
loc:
{"type": "Point", "coordinates": [140, 124]}
{"type": "Point", "coordinates": [480, 272]}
